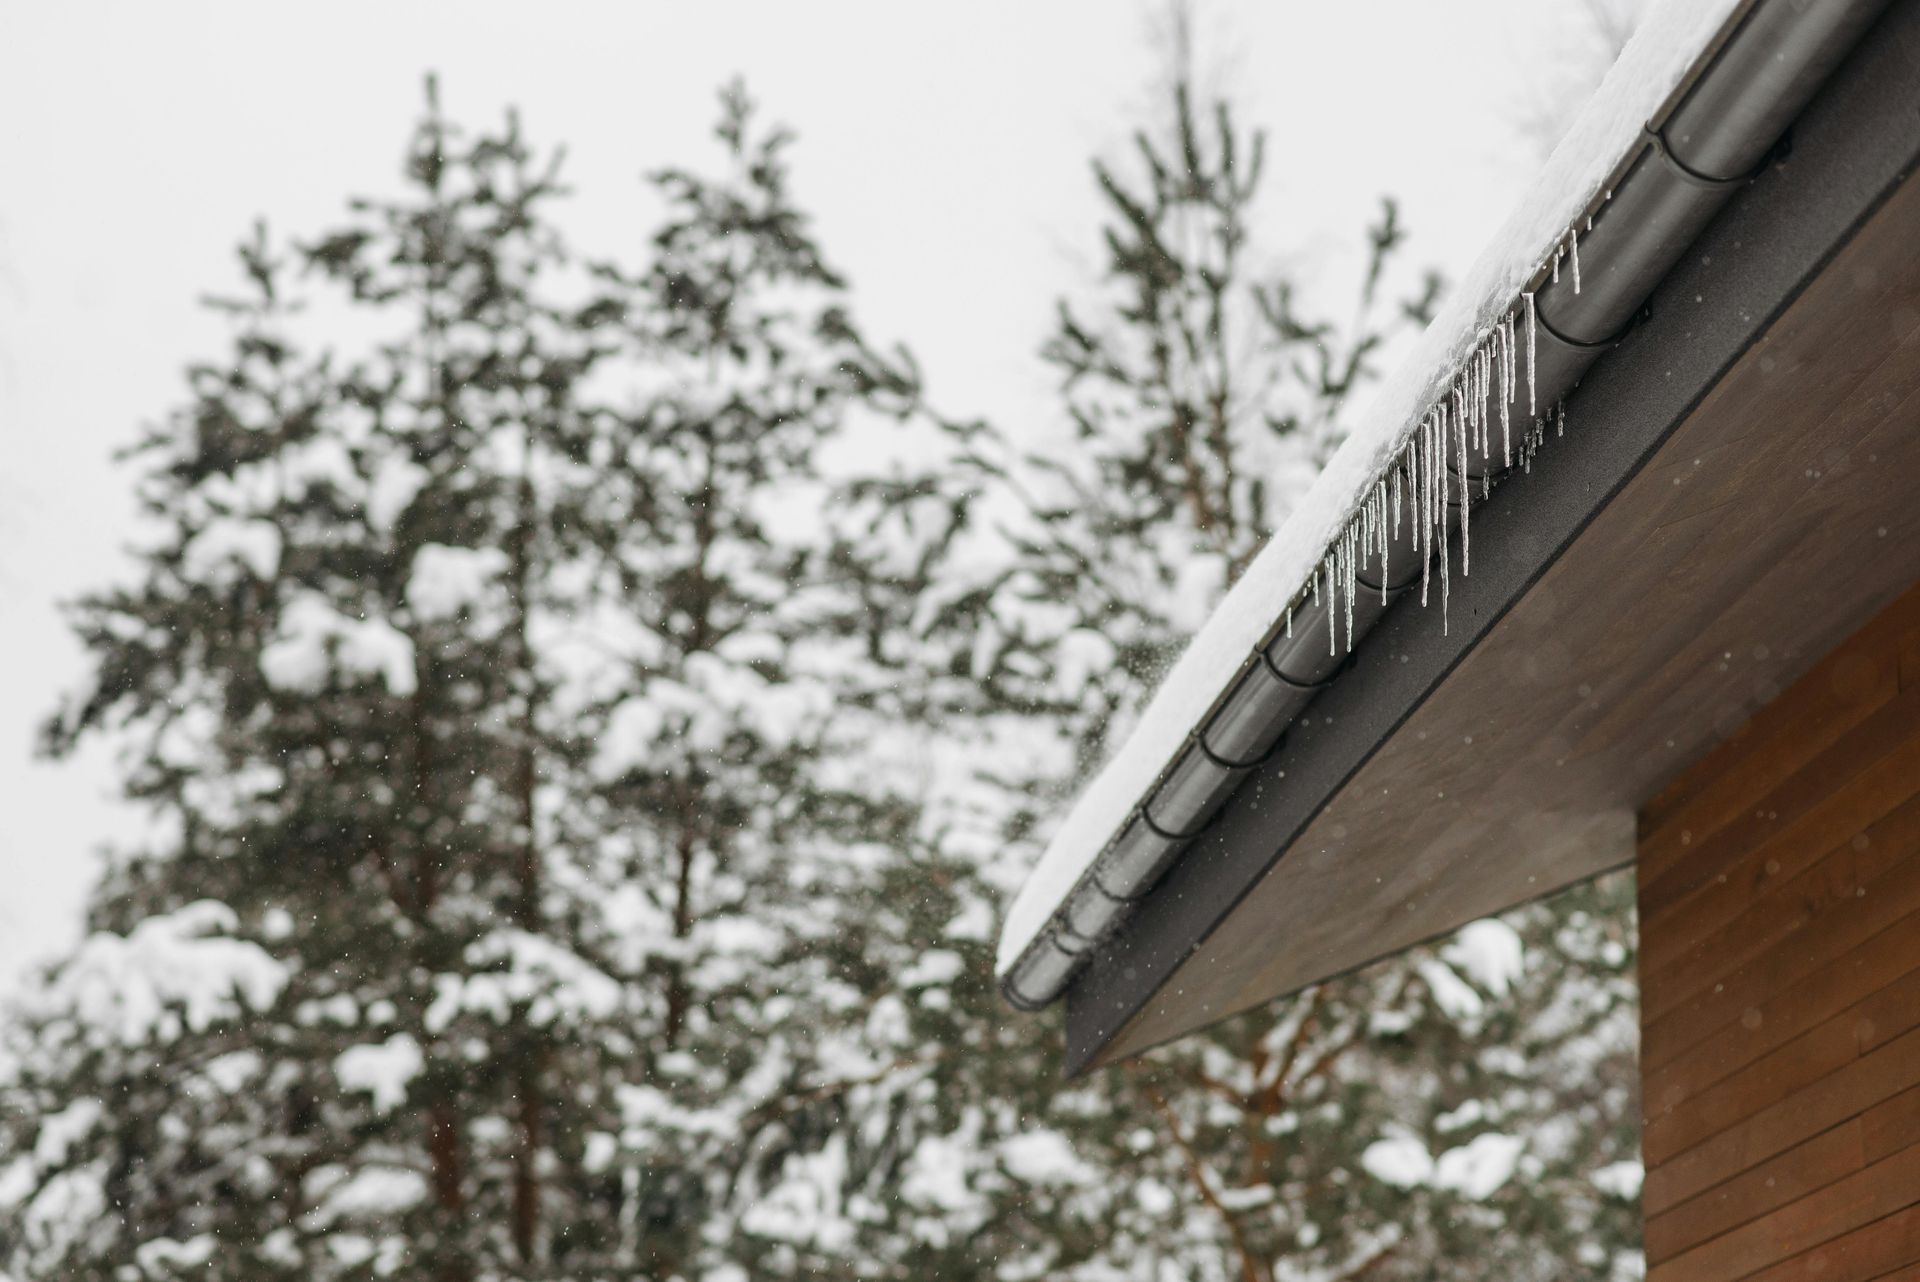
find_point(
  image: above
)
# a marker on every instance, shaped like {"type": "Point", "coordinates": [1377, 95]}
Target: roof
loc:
{"type": "Point", "coordinates": [1699, 96]}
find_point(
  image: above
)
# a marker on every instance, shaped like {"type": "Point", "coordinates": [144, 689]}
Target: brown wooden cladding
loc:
{"type": "Point", "coordinates": [1780, 978]}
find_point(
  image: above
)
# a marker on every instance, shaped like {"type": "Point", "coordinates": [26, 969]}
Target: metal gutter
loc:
{"type": "Point", "coordinates": [1855, 148]}
{"type": "Point", "coordinates": [1694, 155]}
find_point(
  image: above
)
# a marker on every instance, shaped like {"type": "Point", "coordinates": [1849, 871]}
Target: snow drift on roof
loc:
{"type": "Point", "coordinates": [1654, 67]}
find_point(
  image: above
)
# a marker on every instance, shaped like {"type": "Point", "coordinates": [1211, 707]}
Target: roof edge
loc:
{"type": "Point", "coordinates": [1851, 152]}
{"type": "Point", "coordinates": [1466, 364]}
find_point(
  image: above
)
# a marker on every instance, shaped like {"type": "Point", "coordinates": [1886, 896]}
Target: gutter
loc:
{"type": "Point", "coordinates": [1710, 139]}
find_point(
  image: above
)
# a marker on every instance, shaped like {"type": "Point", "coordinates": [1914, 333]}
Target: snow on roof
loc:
{"type": "Point", "coordinates": [1650, 73]}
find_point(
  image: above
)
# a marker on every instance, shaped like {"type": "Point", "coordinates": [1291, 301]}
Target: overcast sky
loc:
{"type": "Point", "coordinates": [943, 150]}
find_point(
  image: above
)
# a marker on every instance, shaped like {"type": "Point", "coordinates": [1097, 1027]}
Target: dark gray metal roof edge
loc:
{"type": "Point", "coordinates": [1707, 139]}
{"type": "Point", "coordinates": [1852, 145]}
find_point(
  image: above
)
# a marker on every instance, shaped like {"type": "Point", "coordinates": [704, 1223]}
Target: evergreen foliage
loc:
{"type": "Point", "coordinates": [589, 713]}
{"type": "Point", "coordinates": [503, 684]}
{"type": "Point", "coordinates": [1436, 1114]}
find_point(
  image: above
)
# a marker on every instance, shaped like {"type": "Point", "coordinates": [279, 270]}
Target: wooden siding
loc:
{"type": "Point", "coordinates": [1780, 978]}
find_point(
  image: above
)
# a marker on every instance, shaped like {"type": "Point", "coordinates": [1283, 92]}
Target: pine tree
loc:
{"type": "Point", "coordinates": [327, 677]}
{"type": "Point", "coordinates": [510, 681]}
{"type": "Point", "coordinates": [757, 765]}
{"type": "Point", "coordinates": [1435, 1114]}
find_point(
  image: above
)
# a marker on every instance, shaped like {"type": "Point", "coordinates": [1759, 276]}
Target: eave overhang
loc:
{"type": "Point", "coordinates": [1627, 605]}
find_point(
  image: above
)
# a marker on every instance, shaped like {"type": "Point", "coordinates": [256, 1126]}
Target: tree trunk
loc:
{"type": "Point", "coordinates": [529, 1084]}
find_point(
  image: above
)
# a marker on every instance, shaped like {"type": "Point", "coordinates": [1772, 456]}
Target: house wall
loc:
{"type": "Point", "coordinates": [1780, 969]}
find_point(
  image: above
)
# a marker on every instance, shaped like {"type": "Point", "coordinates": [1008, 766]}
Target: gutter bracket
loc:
{"type": "Point", "coordinates": [1687, 173]}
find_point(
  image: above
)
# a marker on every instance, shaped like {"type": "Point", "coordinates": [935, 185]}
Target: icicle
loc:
{"type": "Point", "coordinates": [1356, 560]}
{"type": "Point", "coordinates": [1289, 623]}
{"type": "Point", "coordinates": [1466, 539]}
{"type": "Point", "coordinates": [1418, 486]}
{"type": "Point", "coordinates": [1348, 580]}
{"type": "Point", "coordinates": [1413, 489]}
{"type": "Point", "coordinates": [1333, 605]}
{"type": "Point", "coordinates": [1512, 340]}
{"type": "Point", "coordinates": [1496, 381]}
{"type": "Point", "coordinates": [1468, 377]}
{"type": "Point", "coordinates": [1385, 543]}
{"type": "Point", "coordinates": [1532, 410]}
{"type": "Point", "coordinates": [1482, 381]}
{"type": "Point", "coordinates": [1440, 507]}
{"type": "Point", "coordinates": [1483, 438]}
{"type": "Point", "coordinates": [1421, 482]}
{"type": "Point", "coordinates": [1490, 376]}
{"type": "Point", "coordinates": [1490, 369]}
{"type": "Point", "coordinates": [1471, 403]}
{"type": "Point", "coordinates": [1462, 405]}
{"type": "Point", "coordinates": [1506, 379]}
{"type": "Point", "coordinates": [1426, 501]}
{"type": "Point", "coordinates": [1336, 579]}
{"type": "Point", "coordinates": [1368, 511]}
{"type": "Point", "coordinates": [1476, 378]}
{"type": "Point", "coordinates": [1352, 576]}
{"type": "Point", "coordinates": [1436, 463]}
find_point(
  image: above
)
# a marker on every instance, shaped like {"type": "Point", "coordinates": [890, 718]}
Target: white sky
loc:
{"type": "Point", "coordinates": [943, 151]}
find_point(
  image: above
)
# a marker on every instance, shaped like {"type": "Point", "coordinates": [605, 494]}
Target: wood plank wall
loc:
{"type": "Point", "coordinates": [1780, 983]}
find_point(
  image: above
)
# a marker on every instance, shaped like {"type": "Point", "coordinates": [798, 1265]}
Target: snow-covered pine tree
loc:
{"type": "Point", "coordinates": [759, 766]}
{"type": "Point", "coordinates": [511, 680]}
{"type": "Point", "coordinates": [1457, 1108]}
{"type": "Point", "coordinates": [333, 1021]}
